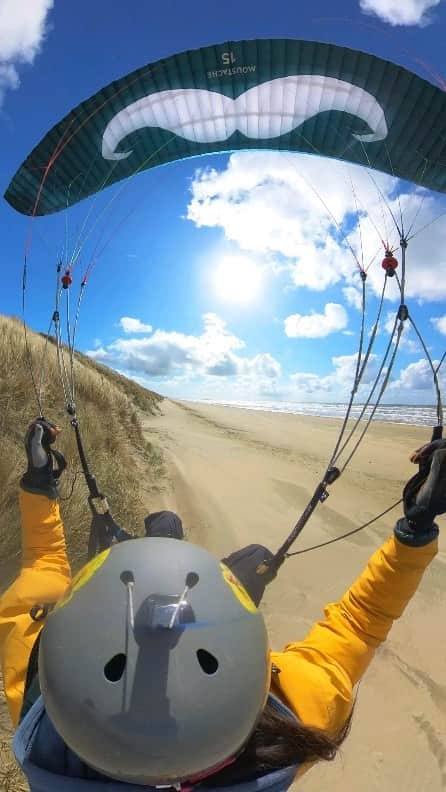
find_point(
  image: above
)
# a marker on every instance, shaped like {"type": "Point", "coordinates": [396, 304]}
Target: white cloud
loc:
{"type": "Point", "coordinates": [317, 325]}
{"type": "Point", "coordinates": [307, 384]}
{"type": "Point", "coordinates": [345, 369]}
{"type": "Point", "coordinates": [389, 322]}
{"type": "Point", "coordinates": [339, 382]}
{"type": "Point", "coordinates": [212, 354]}
{"type": "Point", "coordinates": [9, 79]}
{"type": "Point", "coordinates": [415, 377]}
{"type": "Point", "coordinates": [264, 365]}
{"type": "Point", "coordinates": [439, 322]}
{"type": "Point", "coordinates": [22, 31]}
{"type": "Point", "coordinates": [130, 325]}
{"type": "Point", "coordinates": [406, 342]}
{"type": "Point", "coordinates": [317, 265]}
{"type": "Point", "coordinates": [288, 209]}
{"type": "Point", "coordinates": [400, 12]}
{"type": "Point", "coordinates": [353, 296]}
{"type": "Point", "coordinates": [22, 28]}
{"type": "Point", "coordinates": [269, 203]}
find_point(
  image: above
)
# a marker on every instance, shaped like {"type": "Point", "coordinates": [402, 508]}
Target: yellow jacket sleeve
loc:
{"type": "Point", "coordinates": [44, 577]}
{"type": "Point", "coordinates": [316, 676]}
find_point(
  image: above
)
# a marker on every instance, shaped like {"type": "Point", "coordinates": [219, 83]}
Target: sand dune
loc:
{"type": "Point", "coordinates": [241, 476]}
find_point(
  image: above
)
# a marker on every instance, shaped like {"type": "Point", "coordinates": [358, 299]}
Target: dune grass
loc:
{"type": "Point", "coordinates": [128, 468]}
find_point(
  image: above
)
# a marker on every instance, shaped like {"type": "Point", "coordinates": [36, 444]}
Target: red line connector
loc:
{"type": "Point", "coordinates": [66, 279]}
{"type": "Point", "coordinates": [389, 263]}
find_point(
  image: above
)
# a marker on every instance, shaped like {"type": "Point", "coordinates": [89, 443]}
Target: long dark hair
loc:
{"type": "Point", "coordinates": [277, 742]}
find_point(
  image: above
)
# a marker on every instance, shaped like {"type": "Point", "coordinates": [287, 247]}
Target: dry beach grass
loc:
{"type": "Point", "coordinates": [128, 467]}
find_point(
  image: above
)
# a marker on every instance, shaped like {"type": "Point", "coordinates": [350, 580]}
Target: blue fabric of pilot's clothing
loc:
{"type": "Point", "coordinates": [50, 766]}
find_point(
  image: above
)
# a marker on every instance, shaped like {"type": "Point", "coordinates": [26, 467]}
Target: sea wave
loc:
{"type": "Point", "coordinates": [415, 415]}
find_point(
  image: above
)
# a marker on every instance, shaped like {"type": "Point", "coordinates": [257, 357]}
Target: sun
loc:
{"type": "Point", "coordinates": [237, 279]}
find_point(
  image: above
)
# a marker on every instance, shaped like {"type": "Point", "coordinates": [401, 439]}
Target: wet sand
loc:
{"type": "Point", "coordinates": [240, 476]}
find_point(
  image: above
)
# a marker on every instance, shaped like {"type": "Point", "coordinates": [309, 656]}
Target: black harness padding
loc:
{"type": "Point", "coordinates": [33, 664]}
{"type": "Point", "coordinates": [32, 687]}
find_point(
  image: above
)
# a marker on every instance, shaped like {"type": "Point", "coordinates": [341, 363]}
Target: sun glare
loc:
{"type": "Point", "coordinates": [237, 279]}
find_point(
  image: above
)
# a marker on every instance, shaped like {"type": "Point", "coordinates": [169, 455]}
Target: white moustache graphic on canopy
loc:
{"type": "Point", "coordinates": [265, 111]}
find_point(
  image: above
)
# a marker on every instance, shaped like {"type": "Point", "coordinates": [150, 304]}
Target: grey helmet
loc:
{"type": "Point", "coordinates": [155, 666]}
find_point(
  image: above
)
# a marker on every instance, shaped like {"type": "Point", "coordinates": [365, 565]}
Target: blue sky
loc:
{"type": "Point", "coordinates": [224, 277]}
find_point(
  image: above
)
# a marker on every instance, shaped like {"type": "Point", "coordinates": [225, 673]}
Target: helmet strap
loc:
{"type": "Point", "coordinates": [188, 786]}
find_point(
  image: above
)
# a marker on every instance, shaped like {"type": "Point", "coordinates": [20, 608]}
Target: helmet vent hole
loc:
{"type": "Point", "coordinates": [207, 661]}
{"type": "Point", "coordinates": [192, 579]}
{"type": "Point", "coordinates": [115, 667]}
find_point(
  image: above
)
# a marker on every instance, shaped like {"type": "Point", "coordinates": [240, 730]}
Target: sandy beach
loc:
{"type": "Point", "coordinates": [239, 476]}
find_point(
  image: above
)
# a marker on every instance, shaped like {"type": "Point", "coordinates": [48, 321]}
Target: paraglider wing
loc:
{"type": "Point", "coordinates": [280, 94]}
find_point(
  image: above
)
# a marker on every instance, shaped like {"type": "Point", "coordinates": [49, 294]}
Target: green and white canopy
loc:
{"type": "Point", "coordinates": [279, 94]}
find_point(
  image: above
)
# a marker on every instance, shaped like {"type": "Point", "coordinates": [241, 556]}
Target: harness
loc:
{"type": "Point", "coordinates": [50, 766]}
{"type": "Point", "coordinates": [32, 685]}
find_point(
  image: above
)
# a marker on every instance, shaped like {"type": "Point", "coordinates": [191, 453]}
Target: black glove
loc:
{"type": "Point", "coordinates": [251, 566]}
{"type": "Point", "coordinates": [164, 523]}
{"type": "Point", "coordinates": [42, 477]}
{"type": "Point", "coordinates": [424, 496]}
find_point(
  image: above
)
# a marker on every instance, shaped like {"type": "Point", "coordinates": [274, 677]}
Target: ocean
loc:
{"type": "Point", "coordinates": [417, 415]}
